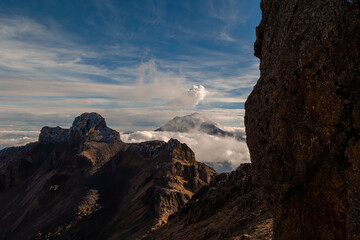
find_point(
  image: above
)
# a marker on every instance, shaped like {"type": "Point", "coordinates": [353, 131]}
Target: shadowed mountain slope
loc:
{"type": "Point", "coordinates": [84, 183]}
{"type": "Point", "coordinates": [230, 207]}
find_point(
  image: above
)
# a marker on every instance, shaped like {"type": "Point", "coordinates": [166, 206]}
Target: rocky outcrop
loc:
{"type": "Point", "coordinates": [84, 183]}
{"type": "Point", "coordinates": [230, 207]}
{"type": "Point", "coordinates": [302, 118]}
{"type": "Point", "coordinates": [54, 135]}
{"type": "Point", "coordinates": [85, 128]}
{"type": "Point", "coordinates": [92, 127]}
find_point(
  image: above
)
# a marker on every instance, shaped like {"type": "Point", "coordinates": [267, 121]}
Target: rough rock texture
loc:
{"type": "Point", "coordinates": [54, 135]}
{"type": "Point", "coordinates": [85, 128]}
{"type": "Point", "coordinates": [96, 187]}
{"type": "Point", "coordinates": [92, 127]}
{"type": "Point", "coordinates": [303, 117]}
{"type": "Point", "coordinates": [230, 207]}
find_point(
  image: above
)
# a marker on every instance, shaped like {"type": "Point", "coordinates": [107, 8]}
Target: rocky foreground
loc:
{"type": "Point", "coordinates": [230, 207]}
{"type": "Point", "coordinates": [84, 183]}
{"type": "Point", "coordinates": [303, 117]}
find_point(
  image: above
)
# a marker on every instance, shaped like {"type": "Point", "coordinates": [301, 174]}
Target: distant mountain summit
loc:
{"type": "Point", "coordinates": [191, 123]}
{"type": "Point", "coordinates": [198, 123]}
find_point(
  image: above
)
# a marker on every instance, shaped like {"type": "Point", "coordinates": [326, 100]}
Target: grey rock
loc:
{"type": "Point", "coordinates": [92, 127]}
{"type": "Point", "coordinates": [88, 127]}
{"type": "Point", "coordinates": [54, 135]}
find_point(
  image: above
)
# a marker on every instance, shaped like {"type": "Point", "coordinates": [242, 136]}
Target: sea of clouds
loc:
{"type": "Point", "coordinates": [222, 153]}
{"type": "Point", "coordinates": [9, 138]}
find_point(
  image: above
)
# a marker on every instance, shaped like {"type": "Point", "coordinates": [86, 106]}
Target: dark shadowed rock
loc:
{"type": "Point", "coordinates": [92, 127]}
{"type": "Point", "coordinates": [230, 207]}
{"type": "Point", "coordinates": [302, 118]}
{"type": "Point", "coordinates": [87, 184]}
{"type": "Point", "coordinates": [88, 127]}
{"type": "Point", "coordinates": [54, 135]}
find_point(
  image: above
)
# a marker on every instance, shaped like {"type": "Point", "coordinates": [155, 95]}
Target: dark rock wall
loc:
{"type": "Point", "coordinates": [230, 207]}
{"type": "Point", "coordinates": [303, 117]}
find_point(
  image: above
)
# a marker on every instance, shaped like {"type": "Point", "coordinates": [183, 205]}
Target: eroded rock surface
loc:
{"type": "Point", "coordinates": [302, 118]}
{"type": "Point", "coordinates": [230, 207]}
{"type": "Point", "coordinates": [92, 127]}
{"type": "Point", "coordinates": [84, 183]}
{"type": "Point", "coordinates": [86, 128]}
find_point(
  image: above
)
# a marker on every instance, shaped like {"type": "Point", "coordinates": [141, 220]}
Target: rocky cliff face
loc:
{"type": "Point", "coordinates": [230, 207]}
{"type": "Point", "coordinates": [84, 183]}
{"type": "Point", "coordinates": [303, 117]}
{"type": "Point", "coordinates": [88, 127]}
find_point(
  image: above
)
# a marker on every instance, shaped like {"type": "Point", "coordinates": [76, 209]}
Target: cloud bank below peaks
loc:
{"type": "Point", "coordinates": [222, 153]}
{"type": "Point", "coordinates": [190, 98]}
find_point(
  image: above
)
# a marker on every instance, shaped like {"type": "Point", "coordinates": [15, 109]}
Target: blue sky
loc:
{"type": "Point", "coordinates": [134, 62]}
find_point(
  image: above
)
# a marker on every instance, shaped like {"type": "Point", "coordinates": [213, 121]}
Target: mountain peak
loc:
{"type": "Point", "coordinates": [197, 122]}
{"type": "Point", "coordinates": [89, 172]}
{"type": "Point", "coordinates": [192, 122]}
{"type": "Point", "coordinates": [92, 127]}
{"type": "Point", "coordinates": [89, 120]}
{"type": "Point", "coordinates": [86, 128]}
{"type": "Point", "coordinates": [195, 114]}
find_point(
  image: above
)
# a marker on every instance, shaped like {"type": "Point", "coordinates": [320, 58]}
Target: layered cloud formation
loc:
{"type": "Point", "coordinates": [138, 65]}
{"type": "Point", "coordinates": [48, 75]}
{"type": "Point", "coordinates": [223, 148]}
{"type": "Point", "coordinates": [223, 153]}
{"type": "Point", "coordinates": [9, 138]}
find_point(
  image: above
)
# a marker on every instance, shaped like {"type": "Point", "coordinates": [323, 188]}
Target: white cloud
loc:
{"type": "Point", "coordinates": [229, 11]}
{"type": "Point", "coordinates": [17, 138]}
{"type": "Point", "coordinates": [207, 148]}
{"type": "Point", "coordinates": [46, 80]}
{"type": "Point", "coordinates": [190, 98]}
{"type": "Point", "coordinates": [216, 151]}
{"type": "Point", "coordinates": [226, 37]}
{"type": "Point", "coordinates": [151, 84]}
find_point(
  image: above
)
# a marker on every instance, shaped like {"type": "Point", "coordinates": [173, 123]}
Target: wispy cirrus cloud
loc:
{"type": "Point", "coordinates": [125, 60]}
{"type": "Point", "coordinates": [60, 69]}
{"type": "Point", "coordinates": [35, 51]}
{"type": "Point", "coordinates": [226, 37]}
